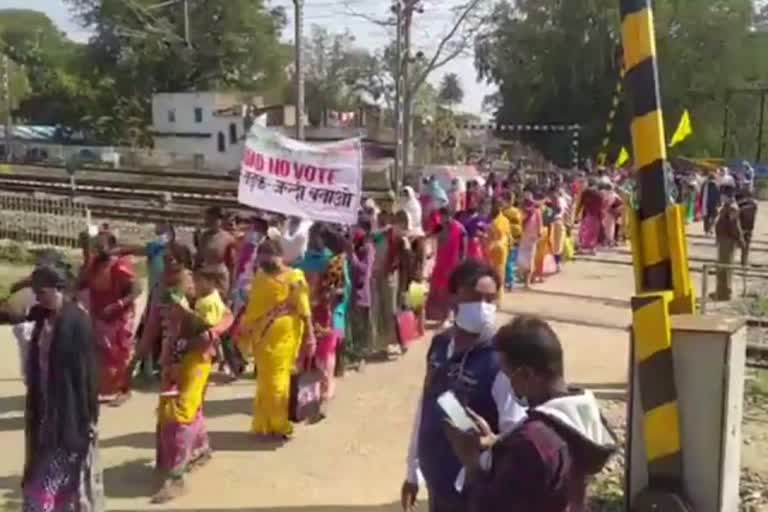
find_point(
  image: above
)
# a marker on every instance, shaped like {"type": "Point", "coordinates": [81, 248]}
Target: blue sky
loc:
{"type": "Point", "coordinates": [334, 15]}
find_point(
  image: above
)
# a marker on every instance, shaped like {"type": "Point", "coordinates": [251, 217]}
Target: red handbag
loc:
{"type": "Point", "coordinates": [407, 328]}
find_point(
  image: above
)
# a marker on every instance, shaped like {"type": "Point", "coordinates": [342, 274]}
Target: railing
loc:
{"type": "Point", "coordinates": [749, 302]}
{"type": "Point", "coordinates": [43, 221]}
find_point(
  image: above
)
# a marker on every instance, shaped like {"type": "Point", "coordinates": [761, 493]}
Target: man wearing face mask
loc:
{"type": "Point", "coordinates": [461, 360]}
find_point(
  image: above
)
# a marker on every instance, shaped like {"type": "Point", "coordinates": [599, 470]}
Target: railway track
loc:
{"type": "Point", "coordinates": [105, 189]}
{"type": "Point", "coordinates": [154, 173]}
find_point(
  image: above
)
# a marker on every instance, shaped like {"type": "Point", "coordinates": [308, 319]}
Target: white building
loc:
{"type": "Point", "coordinates": [206, 127]}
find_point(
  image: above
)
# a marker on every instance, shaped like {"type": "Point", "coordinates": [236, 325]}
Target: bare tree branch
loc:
{"type": "Point", "coordinates": [388, 22]}
{"type": "Point", "coordinates": [438, 59]}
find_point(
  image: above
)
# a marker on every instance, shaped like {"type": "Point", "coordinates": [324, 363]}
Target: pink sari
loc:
{"type": "Point", "coordinates": [591, 222]}
{"type": "Point", "coordinates": [106, 283]}
{"type": "Point", "coordinates": [475, 249]}
{"type": "Point", "coordinates": [447, 258]}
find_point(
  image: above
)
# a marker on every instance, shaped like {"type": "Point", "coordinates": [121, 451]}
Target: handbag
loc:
{"type": "Point", "coordinates": [407, 328]}
{"type": "Point", "coordinates": [305, 395]}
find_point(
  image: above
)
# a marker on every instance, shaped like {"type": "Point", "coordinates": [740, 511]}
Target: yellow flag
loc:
{"type": "Point", "coordinates": [623, 157]}
{"type": "Point", "coordinates": [684, 129]}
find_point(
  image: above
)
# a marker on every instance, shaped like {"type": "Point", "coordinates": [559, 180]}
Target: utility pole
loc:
{"type": "Point", "coordinates": [760, 127]}
{"type": "Point", "coordinates": [398, 118]}
{"type": "Point", "coordinates": [8, 107]}
{"type": "Point", "coordinates": [186, 23]}
{"type": "Point", "coordinates": [407, 96]}
{"type": "Point", "coordinates": [298, 46]}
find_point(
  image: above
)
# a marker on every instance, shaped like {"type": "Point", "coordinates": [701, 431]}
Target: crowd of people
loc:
{"type": "Point", "coordinates": [289, 294]}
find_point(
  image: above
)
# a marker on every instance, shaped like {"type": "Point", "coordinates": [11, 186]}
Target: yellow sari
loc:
{"type": "Point", "coordinates": [497, 247]}
{"type": "Point", "coordinates": [273, 325]}
{"type": "Point", "coordinates": [193, 379]}
{"type": "Point", "coordinates": [515, 218]}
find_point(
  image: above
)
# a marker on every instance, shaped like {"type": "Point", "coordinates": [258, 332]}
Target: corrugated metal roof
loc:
{"type": "Point", "coordinates": [31, 133]}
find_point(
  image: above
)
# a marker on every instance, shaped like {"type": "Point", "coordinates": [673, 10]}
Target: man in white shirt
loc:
{"type": "Point", "coordinates": [295, 239]}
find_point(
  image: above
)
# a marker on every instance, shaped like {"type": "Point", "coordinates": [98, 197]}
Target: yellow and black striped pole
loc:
{"type": "Point", "coordinates": [659, 249]}
{"type": "Point", "coordinates": [602, 157]}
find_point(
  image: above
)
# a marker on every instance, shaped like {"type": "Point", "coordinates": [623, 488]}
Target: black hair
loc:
{"type": "Point", "coordinates": [215, 212]}
{"type": "Point", "coordinates": [270, 247]}
{"type": "Point", "coordinates": [468, 273]}
{"type": "Point", "coordinates": [334, 240]}
{"type": "Point", "coordinates": [445, 210]}
{"type": "Point", "coordinates": [260, 225]}
{"type": "Point", "coordinates": [531, 342]}
{"type": "Point", "coordinates": [365, 224]}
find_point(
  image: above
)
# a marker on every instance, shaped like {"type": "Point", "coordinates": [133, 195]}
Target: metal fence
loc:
{"type": "Point", "coordinates": [42, 220]}
{"type": "Point", "coordinates": [749, 297]}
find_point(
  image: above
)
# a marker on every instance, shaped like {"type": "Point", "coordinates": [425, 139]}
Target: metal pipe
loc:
{"type": "Point", "coordinates": [760, 127]}
{"type": "Point", "coordinates": [299, 79]}
{"type": "Point", "coordinates": [186, 23]}
{"type": "Point", "coordinates": [398, 118]}
{"type": "Point", "coordinates": [704, 288]}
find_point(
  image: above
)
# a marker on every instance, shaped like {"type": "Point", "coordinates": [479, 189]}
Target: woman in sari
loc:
{"type": "Point", "coordinates": [559, 205]}
{"type": "Point", "coordinates": [276, 326]}
{"type": "Point", "coordinates": [515, 218]}
{"type": "Point", "coordinates": [476, 227]}
{"type": "Point", "coordinates": [315, 260]}
{"type": "Point", "coordinates": [61, 468]}
{"type": "Point", "coordinates": [610, 214]}
{"type": "Point", "coordinates": [362, 323]}
{"type": "Point", "coordinates": [544, 262]}
{"type": "Point", "coordinates": [181, 437]}
{"type": "Point", "coordinates": [451, 249]}
{"type": "Point", "coordinates": [456, 195]}
{"type": "Point", "coordinates": [498, 243]}
{"type": "Point", "coordinates": [410, 204]}
{"type": "Point", "coordinates": [112, 289]}
{"type": "Point", "coordinates": [334, 288]}
{"type": "Point", "coordinates": [385, 284]}
{"type": "Point", "coordinates": [245, 259]}
{"type": "Point", "coordinates": [591, 205]}
{"type": "Point", "coordinates": [526, 252]}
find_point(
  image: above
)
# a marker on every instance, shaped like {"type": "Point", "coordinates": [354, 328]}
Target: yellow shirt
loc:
{"type": "Point", "coordinates": [211, 309]}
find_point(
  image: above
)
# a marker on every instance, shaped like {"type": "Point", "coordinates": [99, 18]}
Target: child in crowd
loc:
{"type": "Point", "coordinates": [327, 338]}
{"type": "Point", "coordinates": [186, 323]}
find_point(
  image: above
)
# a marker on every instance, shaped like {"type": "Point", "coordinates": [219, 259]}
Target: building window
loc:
{"type": "Point", "coordinates": [172, 116]}
{"type": "Point", "coordinates": [198, 115]}
{"type": "Point", "coordinates": [232, 133]}
{"type": "Point", "coordinates": [222, 143]}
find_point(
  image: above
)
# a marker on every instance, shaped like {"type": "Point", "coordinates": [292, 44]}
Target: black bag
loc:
{"type": "Point", "coordinates": [305, 399]}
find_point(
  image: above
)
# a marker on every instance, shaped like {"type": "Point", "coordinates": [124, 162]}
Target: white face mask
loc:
{"type": "Point", "coordinates": [476, 317]}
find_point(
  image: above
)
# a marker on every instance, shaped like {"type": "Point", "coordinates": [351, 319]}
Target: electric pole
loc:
{"type": "Point", "coordinates": [8, 107]}
{"type": "Point", "coordinates": [298, 46]}
{"type": "Point", "coordinates": [186, 23]}
{"type": "Point", "coordinates": [398, 117]}
{"type": "Point", "coordinates": [407, 96]}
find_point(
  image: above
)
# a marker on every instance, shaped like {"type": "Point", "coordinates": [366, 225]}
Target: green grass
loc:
{"type": "Point", "coordinates": [757, 384]}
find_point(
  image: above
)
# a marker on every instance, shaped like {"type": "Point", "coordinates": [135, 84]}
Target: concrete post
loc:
{"type": "Point", "coordinates": [709, 355]}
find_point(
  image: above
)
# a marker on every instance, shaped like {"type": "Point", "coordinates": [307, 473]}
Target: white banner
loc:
{"type": "Point", "coordinates": [315, 181]}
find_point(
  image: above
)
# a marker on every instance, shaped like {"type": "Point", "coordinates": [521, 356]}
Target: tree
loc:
{"type": "Point", "coordinates": [451, 91]}
{"type": "Point", "coordinates": [49, 65]}
{"type": "Point", "coordinates": [335, 73]}
{"type": "Point", "coordinates": [555, 62]}
{"type": "Point", "coordinates": [138, 48]}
